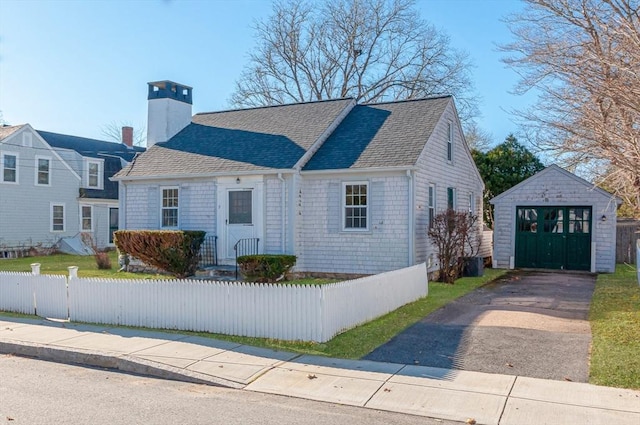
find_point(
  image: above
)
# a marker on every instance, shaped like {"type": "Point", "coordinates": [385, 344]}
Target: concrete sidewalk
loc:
{"type": "Point", "coordinates": [417, 390]}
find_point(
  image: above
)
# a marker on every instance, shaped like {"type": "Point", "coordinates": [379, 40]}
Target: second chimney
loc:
{"type": "Point", "coordinates": [127, 136]}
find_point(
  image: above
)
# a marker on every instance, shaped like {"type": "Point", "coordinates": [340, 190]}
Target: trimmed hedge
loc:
{"type": "Point", "coordinates": [174, 251]}
{"type": "Point", "coordinates": [265, 267]}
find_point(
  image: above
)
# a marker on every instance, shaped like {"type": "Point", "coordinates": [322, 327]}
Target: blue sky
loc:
{"type": "Point", "coordinates": [73, 67]}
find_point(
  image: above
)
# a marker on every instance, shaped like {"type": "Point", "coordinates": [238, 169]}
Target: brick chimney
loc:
{"type": "Point", "coordinates": [127, 136]}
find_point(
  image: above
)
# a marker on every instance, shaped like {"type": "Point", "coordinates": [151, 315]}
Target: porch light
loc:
{"type": "Point", "coordinates": [238, 180]}
{"type": "Point", "coordinates": [604, 218]}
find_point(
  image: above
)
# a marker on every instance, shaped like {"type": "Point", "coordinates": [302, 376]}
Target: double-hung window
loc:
{"type": "Point", "coordinates": [432, 204]}
{"type": "Point", "coordinates": [86, 217]}
{"type": "Point", "coordinates": [57, 217]}
{"type": "Point", "coordinates": [450, 142]}
{"type": "Point", "coordinates": [43, 171]}
{"type": "Point", "coordinates": [93, 173]}
{"type": "Point", "coordinates": [451, 198]}
{"type": "Point", "coordinates": [169, 207]}
{"type": "Point", "coordinates": [9, 166]}
{"type": "Point", "coordinates": [356, 205]}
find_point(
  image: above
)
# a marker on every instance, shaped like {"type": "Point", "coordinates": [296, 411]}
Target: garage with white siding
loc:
{"type": "Point", "coordinates": [555, 220]}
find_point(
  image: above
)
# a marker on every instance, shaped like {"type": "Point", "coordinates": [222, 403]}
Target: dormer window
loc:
{"type": "Point", "coordinates": [93, 173]}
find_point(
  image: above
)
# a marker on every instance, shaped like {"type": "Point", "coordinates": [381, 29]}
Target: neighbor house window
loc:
{"type": "Point", "coordinates": [9, 167]}
{"type": "Point", "coordinates": [86, 217]}
{"type": "Point", "coordinates": [450, 142]}
{"type": "Point", "coordinates": [356, 206]}
{"type": "Point", "coordinates": [451, 198]}
{"type": "Point", "coordinates": [93, 174]}
{"type": "Point", "coordinates": [57, 218]}
{"type": "Point", "coordinates": [43, 171]}
{"type": "Point", "coordinates": [170, 207]}
{"type": "Point", "coordinates": [432, 204]}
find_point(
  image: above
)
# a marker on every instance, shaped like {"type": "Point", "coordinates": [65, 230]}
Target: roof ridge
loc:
{"type": "Point", "coordinates": [275, 106]}
{"type": "Point", "coordinates": [434, 97]}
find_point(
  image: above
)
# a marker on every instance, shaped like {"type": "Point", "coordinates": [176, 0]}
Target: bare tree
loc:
{"type": "Point", "coordinates": [113, 132]}
{"type": "Point", "coordinates": [457, 238]}
{"type": "Point", "coordinates": [584, 58]}
{"type": "Point", "coordinates": [371, 50]}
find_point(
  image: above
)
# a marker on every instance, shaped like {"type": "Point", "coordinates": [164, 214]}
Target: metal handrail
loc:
{"type": "Point", "coordinates": [209, 251]}
{"type": "Point", "coordinates": [246, 246]}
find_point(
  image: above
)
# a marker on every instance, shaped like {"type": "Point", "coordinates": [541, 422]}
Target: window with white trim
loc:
{"type": "Point", "coordinates": [472, 202]}
{"type": "Point", "coordinates": [450, 142]}
{"type": "Point", "coordinates": [355, 205]}
{"type": "Point", "coordinates": [169, 207]}
{"type": "Point", "coordinates": [9, 166]}
{"type": "Point", "coordinates": [93, 173]}
{"type": "Point", "coordinates": [432, 204]}
{"type": "Point", "coordinates": [43, 171]}
{"type": "Point", "coordinates": [57, 217]}
{"type": "Point", "coordinates": [86, 218]}
{"type": "Point", "coordinates": [451, 198]}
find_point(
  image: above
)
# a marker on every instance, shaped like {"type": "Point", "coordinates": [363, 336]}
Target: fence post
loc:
{"type": "Point", "coordinates": [73, 272]}
{"type": "Point", "coordinates": [638, 258]}
{"type": "Point", "coordinates": [35, 268]}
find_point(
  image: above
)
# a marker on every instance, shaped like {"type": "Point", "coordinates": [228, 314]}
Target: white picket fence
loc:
{"type": "Point", "coordinates": [290, 312]}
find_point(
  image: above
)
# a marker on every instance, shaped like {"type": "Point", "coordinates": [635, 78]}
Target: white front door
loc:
{"type": "Point", "coordinates": [241, 216]}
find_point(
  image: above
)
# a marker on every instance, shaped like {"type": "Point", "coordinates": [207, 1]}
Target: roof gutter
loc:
{"type": "Point", "coordinates": [205, 175]}
{"type": "Point", "coordinates": [366, 170]}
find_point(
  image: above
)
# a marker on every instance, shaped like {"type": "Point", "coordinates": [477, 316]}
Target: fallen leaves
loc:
{"type": "Point", "coordinates": [311, 376]}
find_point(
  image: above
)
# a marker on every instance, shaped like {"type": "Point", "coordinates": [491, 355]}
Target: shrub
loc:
{"type": "Point", "coordinates": [174, 251]}
{"type": "Point", "coordinates": [457, 238]}
{"type": "Point", "coordinates": [102, 257]}
{"type": "Point", "coordinates": [265, 268]}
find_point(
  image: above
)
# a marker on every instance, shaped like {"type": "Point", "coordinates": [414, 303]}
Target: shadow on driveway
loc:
{"type": "Point", "coordinates": [527, 323]}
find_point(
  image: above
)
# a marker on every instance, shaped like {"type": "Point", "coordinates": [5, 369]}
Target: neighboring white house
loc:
{"type": "Point", "coordinates": [555, 220]}
{"type": "Point", "coordinates": [54, 186]}
{"type": "Point", "coordinates": [347, 188]}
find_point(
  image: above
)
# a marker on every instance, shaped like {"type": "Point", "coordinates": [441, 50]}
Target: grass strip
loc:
{"type": "Point", "coordinates": [615, 327]}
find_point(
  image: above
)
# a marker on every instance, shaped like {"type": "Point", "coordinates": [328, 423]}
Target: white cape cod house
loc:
{"type": "Point", "coordinates": [347, 188]}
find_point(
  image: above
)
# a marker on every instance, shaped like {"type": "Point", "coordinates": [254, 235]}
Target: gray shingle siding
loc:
{"type": "Point", "coordinates": [556, 187]}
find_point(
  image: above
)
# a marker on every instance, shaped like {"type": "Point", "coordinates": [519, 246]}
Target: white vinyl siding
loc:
{"type": "Point", "coordinates": [43, 171]}
{"type": "Point", "coordinates": [9, 167]}
{"type": "Point", "coordinates": [57, 217]}
{"type": "Point", "coordinates": [86, 218]}
{"type": "Point", "coordinates": [169, 208]}
{"type": "Point", "coordinates": [355, 206]}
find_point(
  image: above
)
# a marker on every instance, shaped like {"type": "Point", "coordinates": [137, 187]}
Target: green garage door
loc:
{"type": "Point", "coordinates": [553, 237]}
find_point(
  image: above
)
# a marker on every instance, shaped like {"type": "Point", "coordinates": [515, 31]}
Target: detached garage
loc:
{"type": "Point", "coordinates": [555, 220]}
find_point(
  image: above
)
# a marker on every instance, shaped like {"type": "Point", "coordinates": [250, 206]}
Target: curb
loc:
{"type": "Point", "coordinates": [122, 363]}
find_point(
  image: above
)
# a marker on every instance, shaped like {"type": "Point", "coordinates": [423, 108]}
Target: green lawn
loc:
{"type": "Point", "coordinates": [615, 325]}
{"type": "Point", "coordinates": [57, 264]}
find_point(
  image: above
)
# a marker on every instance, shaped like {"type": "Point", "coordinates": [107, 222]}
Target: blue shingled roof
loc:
{"type": "Point", "coordinates": [90, 147]}
{"type": "Point", "coordinates": [111, 153]}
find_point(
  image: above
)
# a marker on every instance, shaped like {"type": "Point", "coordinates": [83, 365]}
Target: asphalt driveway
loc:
{"type": "Point", "coordinates": [531, 324]}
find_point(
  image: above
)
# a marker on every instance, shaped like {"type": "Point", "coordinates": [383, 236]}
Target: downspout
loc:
{"type": "Point", "coordinates": [284, 211]}
{"type": "Point", "coordinates": [411, 224]}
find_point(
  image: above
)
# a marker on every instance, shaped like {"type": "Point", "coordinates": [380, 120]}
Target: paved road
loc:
{"type": "Point", "coordinates": [35, 392]}
{"type": "Point", "coordinates": [531, 324]}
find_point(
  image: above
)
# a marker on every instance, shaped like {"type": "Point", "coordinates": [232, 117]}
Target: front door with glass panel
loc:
{"type": "Point", "coordinates": [240, 218]}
